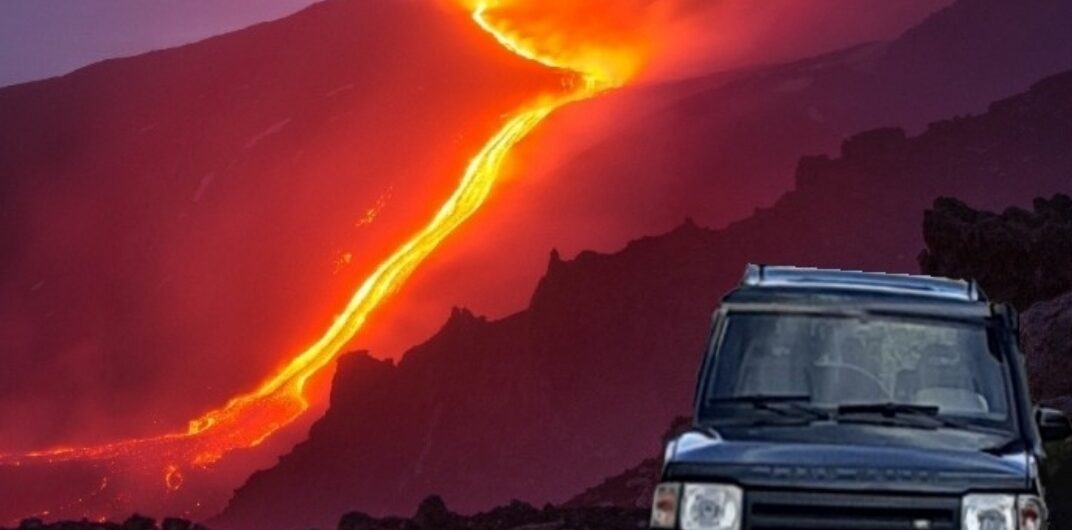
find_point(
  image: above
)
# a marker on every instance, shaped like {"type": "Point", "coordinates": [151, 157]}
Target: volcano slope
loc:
{"type": "Point", "coordinates": [177, 223]}
{"type": "Point", "coordinates": [545, 402]}
{"type": "Point", "coordinates": [717, 146]}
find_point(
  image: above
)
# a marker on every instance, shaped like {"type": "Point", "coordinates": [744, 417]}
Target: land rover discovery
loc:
{"type": "Point", "coordinates": [847, 400]}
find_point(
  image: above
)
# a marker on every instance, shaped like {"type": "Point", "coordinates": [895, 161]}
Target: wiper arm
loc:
{"type": "Point", "coordinates": [783, 405]}
{"type": "Point", "coordinates": [889, 411]}
{"type": "Point", "coordinates": [761, 398]}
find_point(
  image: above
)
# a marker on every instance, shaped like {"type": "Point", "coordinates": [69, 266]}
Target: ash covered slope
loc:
{"type": "Point", "coordinates": [547, 402]}
{"type": "Point", "coordinates": [719, 148]}
{"type": "Point", "coordinates": [716, 147]}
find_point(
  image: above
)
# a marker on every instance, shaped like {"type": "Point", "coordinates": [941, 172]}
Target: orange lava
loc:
{"type": "Point", "coordinates": [593, 64]}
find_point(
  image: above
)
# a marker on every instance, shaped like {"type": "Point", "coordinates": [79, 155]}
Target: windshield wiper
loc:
{"type": "Point", "coordinates": [898, 412]}
{"type": "Point", "coordinates": [788, 405]}
{"type": "Point", "coordinates": [888, 409]}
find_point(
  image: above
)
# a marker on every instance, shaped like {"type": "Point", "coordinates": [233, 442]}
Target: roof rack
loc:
{"type": "Point", "coordinates": [813, 278]}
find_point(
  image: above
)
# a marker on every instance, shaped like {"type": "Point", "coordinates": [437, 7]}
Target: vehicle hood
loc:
{"type": "Point", "coordinates": [765, 463]}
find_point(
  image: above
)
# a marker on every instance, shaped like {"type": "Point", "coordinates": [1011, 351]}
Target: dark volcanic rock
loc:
{"type": "Point", "coordinates": [134, 522]}
{"type": "Point", "coordinates": [139, 522]}
{"type": "Point", "coordinates": [1046, 337]}
{"type": "Point", "coordinates": [358, 521]}
{"type": "Point", "coordinates": [432, 512]}
{"type": "Point", "coordinates": [1019, 256]}
{"type": "Point", "coordinates": [515, 515]}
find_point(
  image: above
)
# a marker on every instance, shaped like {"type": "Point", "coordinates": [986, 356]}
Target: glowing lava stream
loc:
{"type": "Point", "coordinates": [248, 419]}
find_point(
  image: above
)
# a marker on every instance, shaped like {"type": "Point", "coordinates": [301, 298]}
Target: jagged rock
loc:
{"type": "Point", "coordinates": [358, 521]}
{"type": "Point", "coordinates": [31, 524]}
{"type": "Point", "coordinates": [1018, 256]}
{"type": "Point", "coordinates": [433, 513]}
{"type": "Point", "coordinates": [517, 513]}
{"type": "Point", "coordinates": [139, 522]}
{"type": "Point", "coordinates": [174, 523]}
{"type": "Point", "coordinates": [1046, 337]}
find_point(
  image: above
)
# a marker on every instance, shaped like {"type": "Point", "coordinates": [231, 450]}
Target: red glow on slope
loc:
{"type": "Point", "coordinates": [597, 60]}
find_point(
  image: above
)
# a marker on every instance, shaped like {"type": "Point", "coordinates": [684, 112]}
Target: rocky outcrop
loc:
{"type": "Point", "coordinates": [1019, 256]}
{"type": "Point", "coordinates": [514, 515]}
{"type": "Point", "coordinates": [134, 522]}
{"type": "Point", "coordinates": [1046, 336]}
{"type": "Point", "coordinates": [432, 514]}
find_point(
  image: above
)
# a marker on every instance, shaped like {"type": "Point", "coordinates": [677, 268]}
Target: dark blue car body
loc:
{"type": "Point", "coordinates": [859, 476]}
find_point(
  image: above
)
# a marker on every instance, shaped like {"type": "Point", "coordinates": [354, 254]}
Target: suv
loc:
{"type": "Point", "coordinates": [847, 400]}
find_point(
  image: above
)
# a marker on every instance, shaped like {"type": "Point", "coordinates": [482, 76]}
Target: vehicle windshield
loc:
{"type": "Point", "coordinates": [834, 363]}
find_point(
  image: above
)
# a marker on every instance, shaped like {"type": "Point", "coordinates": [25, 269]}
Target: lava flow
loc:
{"type": "Point", "coordinates": [247, 419]}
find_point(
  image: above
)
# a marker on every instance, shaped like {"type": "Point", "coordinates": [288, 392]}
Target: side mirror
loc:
{"type": "Point", "coordinates": [1053, 425]}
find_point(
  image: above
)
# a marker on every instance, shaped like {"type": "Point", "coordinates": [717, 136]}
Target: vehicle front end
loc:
{"type": "Point", "coordinates": [832, 400]}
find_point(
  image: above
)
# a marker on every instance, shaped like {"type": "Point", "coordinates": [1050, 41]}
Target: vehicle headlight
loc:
{"type": "Point", "coordinates": [1003, 512]}
{"type": "Point", "coordinates": [989, 512]}
{"type": "Point", "coordinates": [1032, 512]}
{"type": "Point", "coordinates": [711, 507]}
{"type": "Point", "coordinates": [664, 505]}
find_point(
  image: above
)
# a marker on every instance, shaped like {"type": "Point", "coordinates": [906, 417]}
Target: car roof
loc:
{"type": "Point", "coordinates": [782, 284]}
{"type": "Point", "coordinates": [788, 277]}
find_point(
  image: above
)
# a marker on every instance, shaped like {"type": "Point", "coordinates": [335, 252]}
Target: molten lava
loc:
{"type": "Point", "coordinates": [593, 62]}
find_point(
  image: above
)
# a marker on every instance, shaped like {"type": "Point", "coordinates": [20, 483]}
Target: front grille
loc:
{"type": "Point", "coordinates": [785, 510]}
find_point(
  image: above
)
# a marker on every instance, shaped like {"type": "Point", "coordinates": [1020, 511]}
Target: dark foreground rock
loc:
{"type": "Point", "coordinates": [1046, 336]}
{"type": "Point", "coordinates": [432, 514]}
{"type": "Point", "coordinates": [1019, 256]}
{"type": "Point", "coordinates": [135, 522]}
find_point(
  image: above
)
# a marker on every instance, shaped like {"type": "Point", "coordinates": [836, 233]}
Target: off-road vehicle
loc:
{"type": "Point", "coordinates": [847, 400]}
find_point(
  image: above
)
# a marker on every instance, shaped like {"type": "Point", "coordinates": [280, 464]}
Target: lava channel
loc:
{"type": "Point", "coordinates": [248, 419]}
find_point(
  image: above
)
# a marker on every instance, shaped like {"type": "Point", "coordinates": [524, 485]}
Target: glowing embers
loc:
{"type": "Point", "coordinates": [172, 477]}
